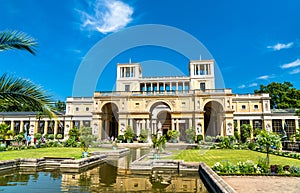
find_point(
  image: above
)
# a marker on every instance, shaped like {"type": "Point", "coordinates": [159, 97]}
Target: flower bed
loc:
{"type": "Point", "coordinates": [251, 168]}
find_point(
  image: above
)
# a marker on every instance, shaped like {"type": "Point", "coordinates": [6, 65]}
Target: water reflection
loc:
{"type": "Point", "coordinates": [113, 176]}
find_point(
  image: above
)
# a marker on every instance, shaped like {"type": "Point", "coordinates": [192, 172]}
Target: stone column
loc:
{"type": "Point", "coordinates": [177, 124]}
{"type": "Point", "coordinates": [238, 125]}
{"type": "Point", "coordinates": [154, 127]}
{"type": "Point", "coordinates": [12, 124]}
{"type": "Point", "coordinates": [282, 123]}
{"type": "Point", "coordinates": [251, 124]}
{"type": "Point", "coordinates": [21, 126]}
{"type": "Point", "coordinates": [172, 124]}
{"type": "Point", "coordinates": [147, 124]}
{"type": "Point", "coordinates": [46, 127]}
{"type": "Point", "coordinates": [55, 127]}
{"type": "Point", "coordinates": [190, 123]}
{"type": "Point", "coordinates": [99, 128]}
{"type": "Point", "coordinates": [36, 126]}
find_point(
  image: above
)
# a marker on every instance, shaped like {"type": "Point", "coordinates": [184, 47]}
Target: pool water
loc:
{"type": "Point", "coordinates": [112, 176]}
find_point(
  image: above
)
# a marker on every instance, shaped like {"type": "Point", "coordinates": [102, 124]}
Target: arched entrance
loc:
{"type": "Point", "coordinates": [164, 117]}
{"type": "Point", "coordinates": [213, 118]}
{"type": "Point", "coordinates": [109, 121]}
{"type": "Point", "coordinates": [160, 117]}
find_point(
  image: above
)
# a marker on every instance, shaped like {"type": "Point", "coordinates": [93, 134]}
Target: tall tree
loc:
{"type": "Point", "coordinates": [17, 40]}
{"type": "Point", "coordinates": [283, 95]}
{"type": "Point", "coordinates": [17, 94]}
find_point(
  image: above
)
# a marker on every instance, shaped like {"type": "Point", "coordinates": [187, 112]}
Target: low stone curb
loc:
{"type": "Point", "coordinates": [212, 181]}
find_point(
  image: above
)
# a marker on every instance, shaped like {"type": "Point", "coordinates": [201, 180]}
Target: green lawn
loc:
{"type": "Point", "coordinates": [44, 152]}
{"type": "Point", "coordinates": [210, 157]}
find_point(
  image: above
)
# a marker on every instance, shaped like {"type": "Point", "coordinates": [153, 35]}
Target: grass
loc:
{"type": "Point", "coordinates": [44, 152]}
{"type": "Point", "coordinates": [210, 157]}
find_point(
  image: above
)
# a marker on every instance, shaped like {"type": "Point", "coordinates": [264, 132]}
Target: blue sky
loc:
{"type": "Point", "coordinates": [253, 42]}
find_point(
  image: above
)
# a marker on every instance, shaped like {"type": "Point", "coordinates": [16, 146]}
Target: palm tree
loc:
{"type": "Point", "coordinates": [17, 94]}
{"type": "Point", "coordinates": [17, 40]}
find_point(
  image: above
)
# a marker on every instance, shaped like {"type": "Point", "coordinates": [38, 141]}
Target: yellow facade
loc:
{"type": "Point", "coordinates": [160, 104]}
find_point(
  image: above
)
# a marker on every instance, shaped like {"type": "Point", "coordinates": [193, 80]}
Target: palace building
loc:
{"type": "Point", "coordinates": [161, 104]}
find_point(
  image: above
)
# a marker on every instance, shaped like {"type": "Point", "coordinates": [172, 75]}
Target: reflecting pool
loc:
{"type": "Point", "coordinates": [111, 176]}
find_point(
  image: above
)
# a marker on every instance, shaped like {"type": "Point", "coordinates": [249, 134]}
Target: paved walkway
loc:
{"type": "Point", "coordinates": [263, 184]}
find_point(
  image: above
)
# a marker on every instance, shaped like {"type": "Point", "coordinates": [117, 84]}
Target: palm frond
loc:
{"type": "Point", "coordinates": [18, 92]}
{"type": "Point", "coordinates": [17, 40]}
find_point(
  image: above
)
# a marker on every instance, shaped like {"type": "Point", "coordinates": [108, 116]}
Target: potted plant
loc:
{"type": "Point", "coordinates": [129, 134]}
{"type": "Point", "coordinates": [120, 138]}
{"type": "Point", "coordinates": [158, 144]}
{"type": "Point", "coordinates": [190, 135]}
{"type": "Point", "coordinates": [144, 135]}
{"type": "Point", "coordinates": [199, 138]}
{"type": "Point", "coordinates": [173, 135]}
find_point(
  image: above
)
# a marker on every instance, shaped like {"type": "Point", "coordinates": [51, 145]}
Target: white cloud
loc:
{"type": "Point", "coordinates": [265, 77]}
{"type": "Point", "coordinates": [295, 71]}
{"type": "Point", "coordinates": [291, 65]}
{"type": "Point", "coordinates": [252, 85]}
{"type": "Point", "coordinates": [242, 86]}
{"type": "Point", "coordinates": [280, 46]}
{"type": "Point", "coordinates": [108, 16]}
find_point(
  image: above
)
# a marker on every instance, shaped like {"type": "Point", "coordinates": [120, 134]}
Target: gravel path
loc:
{"type": "Point", "coordinates": [262, 184]}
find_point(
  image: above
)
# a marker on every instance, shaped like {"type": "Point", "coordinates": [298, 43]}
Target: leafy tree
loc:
{"type": "Point", "coordinates": [17, 40]}
{"type": "Point", "coordinates": [266, 140]}
{"type": "Point", "coordinates": [60, 106]}
{"type": "Point", "coordinates": [19, 138]}
{"type": "Point", "coordinates": [246, 130]}
{"type": "Point", "coordinates": [5, 131]}
{"type": "Point", "coordinates": [298, 112]}
{"type": "Point", "coordinates": [283, 95]}
{"type": "Point", "coordinates": [86, 138]}
{"type": "Point", "coordinates": [74, 133]}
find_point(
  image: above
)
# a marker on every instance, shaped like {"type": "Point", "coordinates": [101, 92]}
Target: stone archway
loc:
{"type": "Point", "coordinates": [164, 117]}
{"type": "Point", "coordinates": [213, 118]}
{"type": "Point", "coordinates": [110, 126]}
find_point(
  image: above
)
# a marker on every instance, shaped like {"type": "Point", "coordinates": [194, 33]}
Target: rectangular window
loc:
{"type": "Point", "coordinates": [127, 88]}
{"type": "Point", "coordinates": [86, 123]}
{"type": "Point", "coordinates": [289, 127]}
{"type": "Point", "coordinates": [202, 86]}
{"type": "Point", "coordinates": [202, 69]}
{"type": "Point", "coordinates": [277, 126]}
{"type": "Point", "coordinates": [257, 124]}
{"type": "Point", "coordinates": [76, 124]}
{"type": "Point", "coordinates": [246, 122]}
{"type": "Point", "coordinates": [127, 72]}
